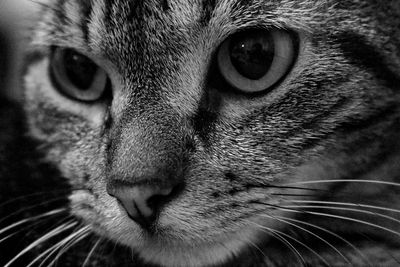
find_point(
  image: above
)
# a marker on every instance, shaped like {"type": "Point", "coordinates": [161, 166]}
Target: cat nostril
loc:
{"type": "Point", "coordinates": [141, 202]}
{"type": "Point", "coordinates": [157, 201]}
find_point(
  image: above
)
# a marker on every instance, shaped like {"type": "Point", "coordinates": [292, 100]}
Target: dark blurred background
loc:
{"type": "Point", "coordinates": [15, 18]}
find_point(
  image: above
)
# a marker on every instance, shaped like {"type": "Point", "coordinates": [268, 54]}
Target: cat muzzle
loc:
{"type": "Point", "coordinates": [141, 202]}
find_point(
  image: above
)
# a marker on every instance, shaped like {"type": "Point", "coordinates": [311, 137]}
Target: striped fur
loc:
{"type": "Point", "coordinates": [334, 117]}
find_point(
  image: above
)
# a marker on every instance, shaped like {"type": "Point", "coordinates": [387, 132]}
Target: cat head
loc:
{"type": "Point", "coordinates": [186, 127]}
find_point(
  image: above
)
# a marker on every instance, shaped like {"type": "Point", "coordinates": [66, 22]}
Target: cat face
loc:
{"type": "Point", "coordinates": [190, 130]}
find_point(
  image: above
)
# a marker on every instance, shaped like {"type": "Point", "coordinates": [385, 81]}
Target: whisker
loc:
{"type": "Point", "coordinates": [256, 247]}
{"type": "Point", "coordinates": [386, 251]}
{"type": "Point", "coordinates": [91, 252]}
{"type": "Point", "coordinates": [345, 181]}
{"type": "Point", "coordinates": [42, 221]}
{"type": "Point", "coordinates": [347, 204]}
{"type": "Point", "coordinates": [62, 228]}
{"type": "Point", "coordinates": [31, 207]}
{"type": "Point", "coordinates": [51, 250]}
{"type": "Point", "coordinates": [24, 197]}
{"type": "Point", "coordinates": [311, 233]}
{"type": "Point", "coordinates": [333, 216]}
{"type": "Point", "coordinates": [31, 227]}
{"type": "Point", "coordinates": [323, 192]}
{"type": "Point", "coordinates": [48, 214]}
{"type": "Point", "coordinates": [343, 218]}
{"type": "Point", "coordinates": [8, 237]}
{"type": "Point", "coordinates": [103, 246]}
{"type": "Point", "coordinates": [297, 188]}
{"type": "Point", "coordinates": [294, 239]}
{"type": "Point", "coordinates": [67, 243]}
{"type": "Point", "coordinates": [72, 243]}
{"type": "Point", "coordinates": [290, 246]}
{"type": "Point", "coordinates": [344, 209]}
{"type": "Point", "coordinates": [115, 246]}
{"type": "Point", "coordinates": [260, 202]}
{"type": "Point", "coordinates": [329, 232]}
{"type": "Point", "coordinates": [293, 195]}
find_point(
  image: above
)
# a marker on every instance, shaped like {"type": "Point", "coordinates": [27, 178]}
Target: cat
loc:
{"type": "Point", "coordinates": [205, 133]}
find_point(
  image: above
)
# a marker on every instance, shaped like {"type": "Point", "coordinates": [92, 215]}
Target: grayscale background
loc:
{"type": "Point", "coordinates": [16, 17]}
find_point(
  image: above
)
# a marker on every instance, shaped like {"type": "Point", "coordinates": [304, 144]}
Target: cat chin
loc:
{"type": "Point", "coordinates": [161, 251]}
{"type": "Point", "coordinates": [168, 250]}
{"type": "Point", "coordinates": [171, 248]}
{"type": "Point", "coordinates": [180, 254]}
{"type": "Point", "coordinates": [168, 244]}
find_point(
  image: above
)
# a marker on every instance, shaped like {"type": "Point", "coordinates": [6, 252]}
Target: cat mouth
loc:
{"type": "Point", "coordinates": [166, 241]}
{"type": "Point", "coordinates": [227, 250]}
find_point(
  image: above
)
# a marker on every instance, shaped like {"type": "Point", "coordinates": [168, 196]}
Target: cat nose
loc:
{"type": "Point", "coordinates": [142, 202]}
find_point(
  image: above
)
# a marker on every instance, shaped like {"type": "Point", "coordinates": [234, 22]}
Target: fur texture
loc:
{"type": "Point", "coordinates": [305, 173]}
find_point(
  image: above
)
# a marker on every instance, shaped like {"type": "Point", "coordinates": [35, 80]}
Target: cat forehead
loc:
{"type": "Point", "coordinates": [78, 22]}
{"type": "Point", "coordinates": [184, 11]}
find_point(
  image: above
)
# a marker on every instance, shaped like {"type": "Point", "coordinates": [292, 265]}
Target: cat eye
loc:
{"type": "Point", "coordinates": [255, 60]}
{"type": "Point", "coordinates": [77, 76]}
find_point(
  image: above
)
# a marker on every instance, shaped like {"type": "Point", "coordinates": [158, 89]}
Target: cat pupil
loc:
{"type": "Point", "coordinates": [252, 55]}
{"type": "Point", "coordinates": [79, 69]}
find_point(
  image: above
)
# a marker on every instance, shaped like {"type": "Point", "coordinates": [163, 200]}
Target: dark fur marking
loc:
{"type": "Point", "coordinates": [59, 18]}
{"type": "Point", "coordinates": [207, 11]}
{"type": "Point", "coordinates": [314, 124]}
{"type": "Point", "coordinates": [206, 117]}
{"type": "Point", "coordinates": [86, 14]}
{"type": "Point", "coordinates": [204, 126]}
{"type": "Point", "coordinates": [54, 116]}
{"type": "Point", "coordinates": [242, 4]}
{"type": "Point", "coordinates": [165, 5]}
{"type": "Point", "coordinates": [109, 119]}
{"type": "Point", "coordinates": [108, 6]}
{"type": "Point", "coordinates": [235, 205]}
{"type": "Point", "coordinates": [109, 152]}
{"type": "Point", "coordinates": [369, 121]}
{"type": "Point", "coordinates": [86, 178]}
{"type": "Point", "coordinates": [246, 187]}
{"type": "Point", "coordinates": [216, 194]}
{"type": "Point", "coordinates": [112, 141]}
{"type": "Point", "coordinates": [61, 13]}
{"type": "Point", "coordinates": [366, 56]}
{"type": "Point", "coordinates": [136, 12]}
{"type": "Point", "coordinates": [240, 186]}
{"type": "Point", "coordinates": [231, 177]}
{"type": "Point", "coordinates": [234, 191]}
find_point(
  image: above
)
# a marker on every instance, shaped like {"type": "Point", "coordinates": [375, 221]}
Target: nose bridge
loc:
{"type": "Point", "coordinates": [147, 155]}
{"type": "Point", "coordinates": [147, 146]}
